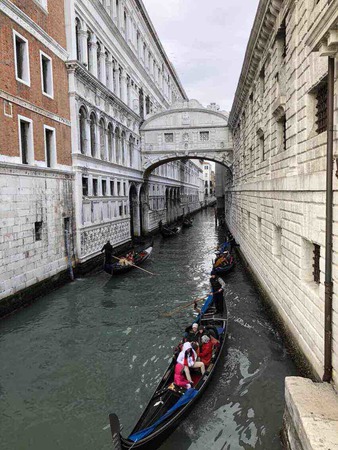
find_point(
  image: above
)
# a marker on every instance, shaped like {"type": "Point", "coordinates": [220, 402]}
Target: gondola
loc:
{"type": "Point", "coordinates": [187, 223]}
{"type": "Point", "coordinates": [224, 269]}
{"type": "Point", "coordinates": [168, 232]}
{"type": "Point", "coordinates": [169, 403]}
{"type": "Point", "coordinates": [139, 258]}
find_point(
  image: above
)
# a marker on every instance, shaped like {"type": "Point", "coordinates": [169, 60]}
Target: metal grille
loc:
{"type": "Point", "coordinates": [316, 259]}
{"type": "Point", "coordinates": [204, 135]}
{"type": "Point", "coordinates": [168, 137]}
{"type": "Point", "coordinates": [321, 108]}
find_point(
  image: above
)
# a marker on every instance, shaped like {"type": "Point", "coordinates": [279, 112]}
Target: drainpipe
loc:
{"type": "Point", "coordinates": [328, 238]}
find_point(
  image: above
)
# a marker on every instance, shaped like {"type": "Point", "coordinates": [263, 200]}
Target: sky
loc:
{"type": "Point", "coordinates": [206, 42]}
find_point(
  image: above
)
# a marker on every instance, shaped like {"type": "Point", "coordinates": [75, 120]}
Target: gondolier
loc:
{"type": "Point", "coordinates": [217, 291]}
{"type": "Point", "coordinates": [108, 252]}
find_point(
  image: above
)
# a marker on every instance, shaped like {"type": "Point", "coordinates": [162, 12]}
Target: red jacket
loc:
{"type": "Point", "coordinates": [206, 353]}
{"type": "Point", "coordinates": [179, 379]}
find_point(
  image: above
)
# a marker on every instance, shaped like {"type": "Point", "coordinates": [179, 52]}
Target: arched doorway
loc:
{"type": "Point", "coordinates": [134, 212]}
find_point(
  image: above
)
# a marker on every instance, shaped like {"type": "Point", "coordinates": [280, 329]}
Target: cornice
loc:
{"type": "Point", "coordinates": [261, 34]}
{"type": "Point", "coordinates": [324, 22]}
{"type": "Point", "coordinates": [25, 22]}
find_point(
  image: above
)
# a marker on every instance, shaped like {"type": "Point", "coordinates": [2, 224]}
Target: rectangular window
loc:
{"type": "Point", "coordinates": [168, 137]}
{"type": "Point", "coordinates": [118, 188]}
{"type": "Point", "coordinates": [38, 231]}
{"type": "Point", "coordinates": [316, 261]}
{"type": "Point", "coordinates": [21, 58]}
{"type": "Point", "coordinates": [104, 187]}
{"type": "Point", "coordinates": [50, 146]}
{"type": "Point", "coordinates": [262, 147]}
{"type": "Point", "coordinates": [111, 187]}
{"type": "Point", "coordinates": [26, 140]}
{"type": "Point", "coordinates": [46, 75]}
{"type": "Point", "coordinates": [125, 210]}
{"type": "Point", "coordinates": [120, 210]}
{"type": "Point", "coordinates": [204, 135]}
{"type": "Point", "coordinates": [321, 107]}
{"type": "Point", "coordinates": [85, 186]}
{"type": "Point", "coordinates": [281, 134]}
{"type": "Point", "coordinates": [95, 192]}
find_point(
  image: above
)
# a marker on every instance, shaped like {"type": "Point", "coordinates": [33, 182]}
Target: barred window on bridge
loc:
{"type": "Point", "coordinates": [204, 135]}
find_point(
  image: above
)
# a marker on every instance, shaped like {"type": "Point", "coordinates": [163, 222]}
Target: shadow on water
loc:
{"type": "Point", "coordinates": [101, 344]}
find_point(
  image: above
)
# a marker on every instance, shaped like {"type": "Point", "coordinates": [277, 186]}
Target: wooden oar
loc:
{"type": "Point", "coordinates": [134, 265]}
{"type": "Point", "coordinates": [176, 310]}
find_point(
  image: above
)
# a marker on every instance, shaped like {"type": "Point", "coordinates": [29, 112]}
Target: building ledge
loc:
{"type": "Point", "coordinates": [311, 415]}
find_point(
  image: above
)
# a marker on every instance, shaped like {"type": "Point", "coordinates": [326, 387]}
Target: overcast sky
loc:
{"type": "Point", "coordinates": [206, 42]}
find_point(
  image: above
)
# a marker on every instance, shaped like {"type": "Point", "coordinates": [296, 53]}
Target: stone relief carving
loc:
{"type": "Point", "coordinates": [93, 240]}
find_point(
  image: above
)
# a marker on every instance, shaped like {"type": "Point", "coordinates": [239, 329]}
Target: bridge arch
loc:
{"type": "Point", "coordinates": [186, 131]}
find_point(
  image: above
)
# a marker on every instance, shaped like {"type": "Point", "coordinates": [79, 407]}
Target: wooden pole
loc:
{"type": "Point", "coordinates": [170, 313]}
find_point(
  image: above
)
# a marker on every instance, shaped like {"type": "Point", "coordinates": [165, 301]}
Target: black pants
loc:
{"type": "Point", "coordinates": [218, 302]}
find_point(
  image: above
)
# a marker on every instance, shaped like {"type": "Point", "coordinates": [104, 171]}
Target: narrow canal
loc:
{"type": "Point", "coordinates": [101, 344]}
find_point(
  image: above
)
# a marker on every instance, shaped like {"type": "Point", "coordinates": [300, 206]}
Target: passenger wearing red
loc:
{"type": "Point", "coordinates": [179, 377]}
{"type": "Point", "coordinates": [205, 354]}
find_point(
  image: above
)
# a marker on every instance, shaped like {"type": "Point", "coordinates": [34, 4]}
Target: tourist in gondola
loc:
{"type": "Point", "coordinates": [180, 378]}
{"type": "Point", "coordinates": [192, 333]}
{"type": "Point", "coordinates": [188, 358]}
{"type": "Point", "coordinates": [217, 291]}
{"type": "Point", "coordinates": [205, 353]}
{"type": "Point", "coordinates": [108, 253]}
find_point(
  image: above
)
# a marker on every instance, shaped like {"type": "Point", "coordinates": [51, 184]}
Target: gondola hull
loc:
{"type": "Point", "coordinates": [170, 232]}
{"type": "Point", "coordinates": [118, 269]}
{"type": "Point", "coordinates": [161, 432]}
{"type": "Point", "coordinates": [223, 270]}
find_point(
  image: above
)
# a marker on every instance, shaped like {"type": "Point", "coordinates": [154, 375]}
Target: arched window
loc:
{"type": "Point", "coordinates": [78, 46]}
{"type": "Point", "coordinates": [92, 134]}
{"type": "Point", "coordinates": [110, 142]}
{"type": "Point", "coordinates": [102, 140]}
{"type": "Point", "coordinates": [82, 129]}
{"type": "Point", "coordinates": [118, 146]}
{"type": "Point", "coordinates": [131, 151]}
{"type": "Point", "coordinates": [123, 147]}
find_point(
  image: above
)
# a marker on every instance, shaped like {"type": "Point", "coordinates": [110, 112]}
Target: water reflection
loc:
{"type": "Point", "coordinates": [102, 344]}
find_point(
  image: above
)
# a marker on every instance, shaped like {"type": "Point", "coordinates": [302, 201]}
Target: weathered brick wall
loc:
{"type": "Point", "coordinates": [53, 21]}
{"type": "Point", "coordinates": [276, 208]}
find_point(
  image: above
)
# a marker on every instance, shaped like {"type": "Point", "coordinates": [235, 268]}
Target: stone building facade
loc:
{"type": "Point", "coordinates": [36, 198]}
{"type": "Point", "coordinates": [119, 75]}
{"type": "Point", "coordinates": [275, 197]}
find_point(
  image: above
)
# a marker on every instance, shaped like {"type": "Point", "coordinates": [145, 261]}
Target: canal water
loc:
{"type": "Point", "coordinates": [101, 344]}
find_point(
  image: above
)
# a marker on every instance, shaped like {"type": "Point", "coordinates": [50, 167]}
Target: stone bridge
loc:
{"type": "Point", "coordinates": [186, 131]}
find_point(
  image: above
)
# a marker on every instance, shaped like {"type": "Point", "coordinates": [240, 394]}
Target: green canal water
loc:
{"type": "Point", "coordinates": [101, 344]}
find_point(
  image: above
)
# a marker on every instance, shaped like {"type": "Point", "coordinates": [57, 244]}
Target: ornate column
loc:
{"type": "Point", "coordinates": [124, 86]}
{"type": "Point", "coordinates": [92, 65]}
{"type": "Point", "coordinates": [83, 37]}
{"type": "Point", "coordinates": [110, 73]}
{"type": "Point", "coordinates": [88, 138]}
{"type": "Point", "coordinates": [102, 62]}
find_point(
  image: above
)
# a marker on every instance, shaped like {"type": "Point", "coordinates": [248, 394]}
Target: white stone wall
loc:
{"type": "Point", "coordinates": [27, 196]}
{"type": "Point", "coordinates": [275, 204]}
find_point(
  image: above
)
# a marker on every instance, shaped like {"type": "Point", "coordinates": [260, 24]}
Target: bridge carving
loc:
{"type": "Point", "coordinates": [186, 131]}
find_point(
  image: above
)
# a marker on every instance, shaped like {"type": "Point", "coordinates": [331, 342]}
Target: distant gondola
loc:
{"type": "Point", "coordinates": [187, 223]}
{"type": "Point", "coordinates": [169, 403]}
{"type": "Point", "coordinates": [224, 268]}
{"type": "Point", "coordinates": [168, 231]}
{"type": "Point", "coordinates": [139, 258]}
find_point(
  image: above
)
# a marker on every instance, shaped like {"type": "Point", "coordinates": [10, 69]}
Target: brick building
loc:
{"type": "Point", "coordinates": [35, 144]}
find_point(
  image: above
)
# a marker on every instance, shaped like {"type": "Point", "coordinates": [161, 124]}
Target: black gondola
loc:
{"type": "Point", "coordinates": [122, 267]}
{"type": "Point", "coordinates": [224, 268]}
{"type": "Point", "coordinates": [187, 223]}
{"type": "Point", "coordinates": [170, 404]}
{"type": "Point", "coordinates": [168, 231]}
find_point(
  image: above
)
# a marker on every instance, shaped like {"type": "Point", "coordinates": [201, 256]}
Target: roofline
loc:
{"type": "Point", "coordinates": [265, 19]}
{"type": "Point", "coordinates": [154, 34]}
